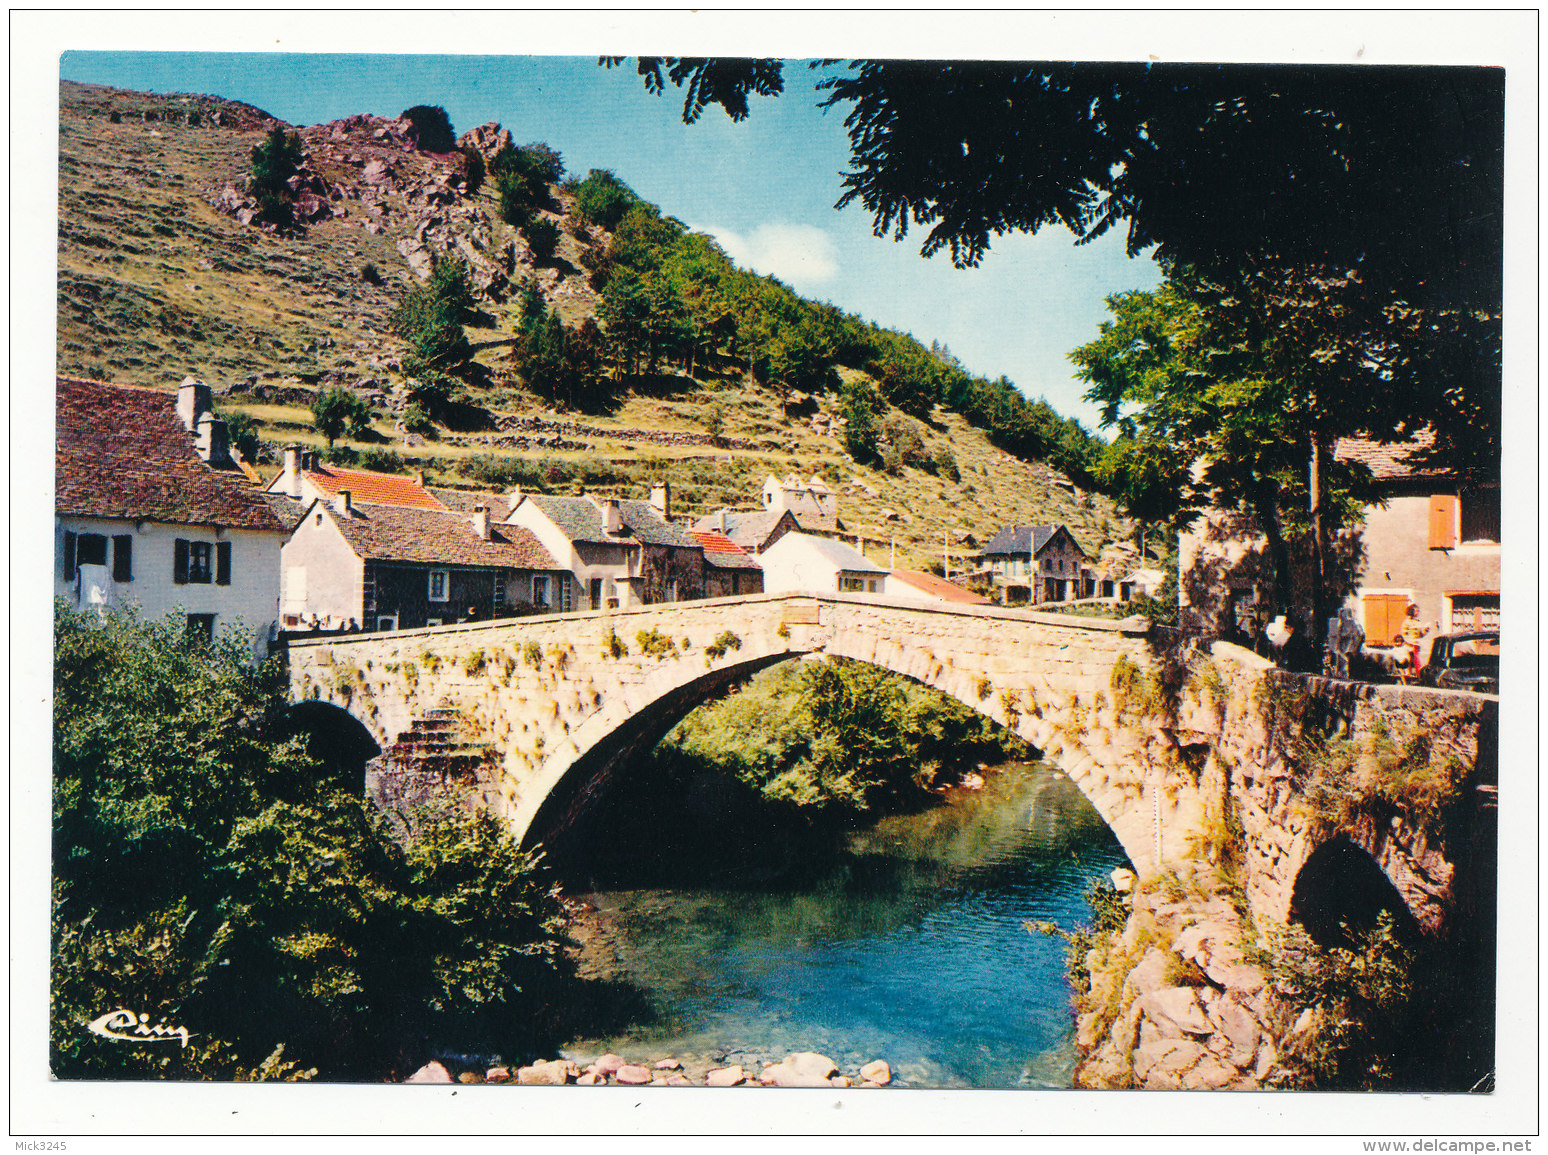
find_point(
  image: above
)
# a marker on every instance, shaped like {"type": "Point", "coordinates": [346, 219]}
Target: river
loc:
{"type": "Point", "coordinates": [905, 941]}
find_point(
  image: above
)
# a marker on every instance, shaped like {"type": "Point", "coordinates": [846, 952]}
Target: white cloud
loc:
{"type": "Point", "coordinates": [799, 255]}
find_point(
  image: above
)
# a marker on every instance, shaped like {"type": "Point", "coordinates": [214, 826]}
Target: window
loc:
{"type": "Point", "coordinates": [201, 627]}
{"type": "Point", "coordinates": [596, 593]}
{"type": "Point", "coordinates": [542, 590]}
{"type": "Point", "coordinates": [1474, 612]}
{"type": "Point", "coordinates": [440, 585]}
{"type": "Point", "coordinates": [671, 590]}
{"type": "Point", "coordinates": [90, 549]}
{"type": "Point", "coordinates": [191, 562]}
{"type": "Point", "coordinates": [1480, 515]}
{"type": "Point", "coordinates": [123, 566]}
{"type": "Point", "coordinates": [851, 585]}
{"type": "Point", "coordinates": [387, 623]}
{"type": "Point", "coordinates": [432, 621]}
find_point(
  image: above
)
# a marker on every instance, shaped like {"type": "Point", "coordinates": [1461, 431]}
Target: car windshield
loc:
{"type": "Point", "coordinates": [1477, 651]}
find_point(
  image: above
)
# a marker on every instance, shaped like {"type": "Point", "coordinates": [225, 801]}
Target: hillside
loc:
{"type": "Point", "coordinates": [163, 273]}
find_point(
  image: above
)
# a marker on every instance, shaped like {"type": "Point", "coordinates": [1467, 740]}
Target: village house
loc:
{"type": "Point", "coordinates": [751, 531]}
{"type": "Point", "coordinates": [153, 511]}
{"type": "Point", "coordinates": [729, 570]}
{"type": "Point", "coordinates": [396, 567]}
{"type": "Point", "coordinates": [913, 586]}
{"type": "Point", "coordinates": [813, 505]}
{"type": "Point", "coordinates": [304, 479]}
{"type": "Point", "coordinates": [1432, 542]}
{"type": "Point", "coordinates": [1044, 560]}
{"type": "Point", "coordinates": [619, 553]}
{"type": "Point", "coordinates": [802, 562]}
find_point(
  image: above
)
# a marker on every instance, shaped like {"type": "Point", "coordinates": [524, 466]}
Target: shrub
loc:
{"type": "Point", "coordinates": [273, 162]}
{"type": "Point", "coordinates": [542, 235]}
{"type": "Point", "coordinates": [860, 428]}
{"type": "Point", "coordinates": [432, 128]}
{"type": "Point", "coordinates": [602, 199]}
{"type": "Point", "coordinates": [370, 274]}
{"type": "Point", "coordinates": [416, 420]}
{"type": "Point", "coordinates": [655, 644]}
{"type": "Point", "coordinates": [615, 647]}
{"type": "Point", "coordinates": [242, 430]}
{"type": "Point", "coordinates": [474, 663]}
{"type": "Point", "coordinates": [532, 654]}
{"type": "Point", "coordinates": [946, 465]}
{"type": "Point", "coordinates": [430, 319]}
{"type": "Point", "coordinates": [724, 641]}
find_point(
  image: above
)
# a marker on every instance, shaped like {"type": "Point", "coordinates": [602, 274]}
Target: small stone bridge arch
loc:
{"type": "Point", "coordinates": [557, 704]}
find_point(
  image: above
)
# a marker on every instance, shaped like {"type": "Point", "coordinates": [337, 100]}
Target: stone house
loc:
{"type": "Point", "coordinates": [813, 505]}
{"type": "Point", "coordinates": [729, 570]}
{"type": "Point", "coordinates": [619, 553]}
{"type": "Point", "coordinates": [803, 562]}
{"type": "Point", "coordinates": [1432, 540]}
{"type": "Point", "coordinates": [384, 567]}
{"type": "Point", "coordinates": [1044, 560]}
{"type": "Point", "coordinates": [913, 586]}
{"type": "Point", "coordinates": [151, 510]}
{"type": "Point", "coordinates": [751, 531]}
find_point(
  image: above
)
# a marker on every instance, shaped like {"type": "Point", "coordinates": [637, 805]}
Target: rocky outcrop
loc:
{"type": "Point", "coordinates": [1174, 1005]}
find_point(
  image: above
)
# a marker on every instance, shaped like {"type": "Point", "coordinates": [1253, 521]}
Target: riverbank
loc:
{"type": "Point", "coordinates": [798, 1069]}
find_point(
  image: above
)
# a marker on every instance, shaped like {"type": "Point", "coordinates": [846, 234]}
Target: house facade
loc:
{"type": "Point", "coordinates": [384, 567]}
{"type": "Point", "coordinates": [1044, 560]}
{"type": "Point", "coordinates": [619, 553]}
{"type": "Point", "coordinates": [1432, 541]}
{"type": "Point", "coordinates": [800, 561]}
{"type": "Point", "coordinates": [752, 531]}
{"type": "Point", "coordinates": [153, 512]}
{"type": "Point", "coordinates": [813, 505]}
{"type": "Point", "coordinates": [729, 570]}
{"type": "Point", "coordinates": [911, 585]}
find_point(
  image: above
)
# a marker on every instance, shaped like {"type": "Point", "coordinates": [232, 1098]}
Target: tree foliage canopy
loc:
{"type": "Point", "coordinates": [433, 130]}
{"type": "Point", "coordinates": [210, 874]}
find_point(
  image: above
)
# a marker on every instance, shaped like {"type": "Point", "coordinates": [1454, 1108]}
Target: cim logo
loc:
{"type": "Point", "coordinates": [126, 1027]}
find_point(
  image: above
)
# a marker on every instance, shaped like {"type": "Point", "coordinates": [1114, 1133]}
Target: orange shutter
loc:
{"type": "Point", "coordinates": [1384, 614]}
{"type": "Point", "coordinates": [1443, 521]}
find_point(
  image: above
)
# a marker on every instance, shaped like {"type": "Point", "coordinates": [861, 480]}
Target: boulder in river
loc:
{"type": "Point", "coordinates": [431, 1072]}
{"type": "Point", "coordinates": [725, 1077]}
{"type": "Point", "coordinates": [877, 1072]}
{"type": "Point", "coordinates": [632, 1075]}
{"type": "Point", "coordinates": [801, 1069]}
{"type": "Point", "coordinates": [606, 1065]}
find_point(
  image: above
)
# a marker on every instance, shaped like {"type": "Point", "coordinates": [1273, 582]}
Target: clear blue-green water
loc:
{"type": "Point", "coordinates": [906, 942]}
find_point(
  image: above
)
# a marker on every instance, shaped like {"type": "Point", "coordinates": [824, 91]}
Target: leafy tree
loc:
{"type": "Point", "coordinates": [274, 161]}
{"type": "Point", "coordinates": [433, 130]}
{"type": "Point", "coordinates": [602, 199]}
{"type": "Point", "coordinates": [336, 410]}
{"type": "Point", "coordinates": [209, 874]}
{"type": "Point", "coordinates": [860, 427]}
{"type": "Point", "coordinates": [242, 431]}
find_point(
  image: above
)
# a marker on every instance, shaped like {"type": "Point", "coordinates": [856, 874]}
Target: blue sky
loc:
{"type": "Point", "coordinates": [765, 188]}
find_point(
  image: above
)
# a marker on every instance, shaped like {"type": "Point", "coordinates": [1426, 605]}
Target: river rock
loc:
{"type": "Point", "coordinates": [591, 1079]}
{"type": "Point", "coordinates": [431, 1072]}
{"type": "Point", "coordinates": [677, 1080]}
{"type": "Point", "coordinates": [470, 1077]}
{"type": "Point", "coordinates": [497, 1074]}
{"type": "Point", "coordinates": [841, 1081]}
{"type": "Point", "coordinates": [668, 1065]}
{"type": "Point", "coordinates": [632, 1075]}
{"type": "Point", "coordinates": [545, 1073]}
{"type": "Point", "coordinates": [606, 1065]}
{"type": "Point", "coordinates": [725, 1077]}
{"type": "Point", "coordinates": [877, 1072]}
{"type": "Point", "coordinates": [800, 1069]}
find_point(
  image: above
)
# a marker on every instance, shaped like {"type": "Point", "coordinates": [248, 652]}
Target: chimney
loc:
{"type": "Point", "coordinates": [481, 521]}
{"type": "Point", "coordinates": [212, 441]}
{"type": "Point", "coordinates": [420, 477]}
{"type": "Point", "coordinates": [290, 475]}
{"type": "Point", "coordinates": [661, 498]}
{"type": "Point", "coordinates": [515, 499]}
{"type": "Point", "coordinates": [193, 401]}
{"type": "Point", "coordinates": [720, 516]}
{"type": "Point", "coordinates": [612, 516]}
{"type": "Point", "coordinates": [342, 502]}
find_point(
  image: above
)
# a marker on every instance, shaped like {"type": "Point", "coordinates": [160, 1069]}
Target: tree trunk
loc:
{"type": "Point", "coordinates": [1318, 482]}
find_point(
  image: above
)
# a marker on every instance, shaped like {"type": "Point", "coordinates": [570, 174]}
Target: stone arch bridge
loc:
{"type": "Point", "coordinates": [554, 706]}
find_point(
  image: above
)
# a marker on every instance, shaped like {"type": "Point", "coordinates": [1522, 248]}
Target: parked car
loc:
{"type": "Point", "coordinates": [1464, 662]}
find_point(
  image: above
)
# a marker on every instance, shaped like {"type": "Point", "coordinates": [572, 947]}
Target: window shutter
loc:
{"type": "Point", "coordinates": [123, 549]}
{"type": "Point", "coordinates": [1443, 521]}
{"type": "Point", "coordinates": [69, 555]}
{"type": "Point", "coordinates": [222, 563]}
{"type": "Point", "coordinates": [180, 562]}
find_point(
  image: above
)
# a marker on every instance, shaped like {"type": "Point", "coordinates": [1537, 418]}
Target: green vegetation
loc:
{"type": "Point", "coordinates": [829, 739]}
{"type": "Point", "coordinates": [210, 875]}
{"type": "Point", "coordinates": [337, 410]}
{"type": "Point", "coordinates": [432, 128]}
{"type": "Point", "coordinates": [430, 319]}
{"type": "Point", "coordinates": [274, 162]}
{"type": "Point", "coordinates": [602, 199]}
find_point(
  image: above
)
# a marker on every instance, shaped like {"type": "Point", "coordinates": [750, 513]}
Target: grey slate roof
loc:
{"type": "Point", "coordinates": [842, 556]}
{"type": "Point", "coordinates": [466, 500]}
{"type": "Point", "coordinates": [1017, 540]}
{"type": "Point", "coordinates": [580, 520]}
{"type": "Point", "coordinates": [288, 509]}
{"type": "Point", "coordinates": [437, 537]}
{"type": "Point", "coordinates": [748, 529]}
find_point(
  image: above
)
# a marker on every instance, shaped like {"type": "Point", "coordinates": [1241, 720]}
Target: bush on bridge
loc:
{"type": "Point", "coordinates": [209, 874]}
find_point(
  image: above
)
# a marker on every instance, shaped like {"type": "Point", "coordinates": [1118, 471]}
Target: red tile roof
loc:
{"type": "Point", "coordinates": [720, 550]}
{"type": "Point", "coordinates": [122, 451]}
{"type": "Point", "coordinates": [372, 488]}
{"type": "Point", "coordinates": [437, 537]}
{"type": "Point", "coordinates": [941, 588]}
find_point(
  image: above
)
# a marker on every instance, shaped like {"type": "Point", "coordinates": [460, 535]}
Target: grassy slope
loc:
{"type": "Point", "coordinates": [154, 284]}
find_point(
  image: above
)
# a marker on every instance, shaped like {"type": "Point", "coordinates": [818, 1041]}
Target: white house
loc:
{"type": "Point", "coordinates": [151, 510]}
{"type": "Point", "coordinates": [914, 586]}
{"type": "Point", "coordinates": [799, 561]}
